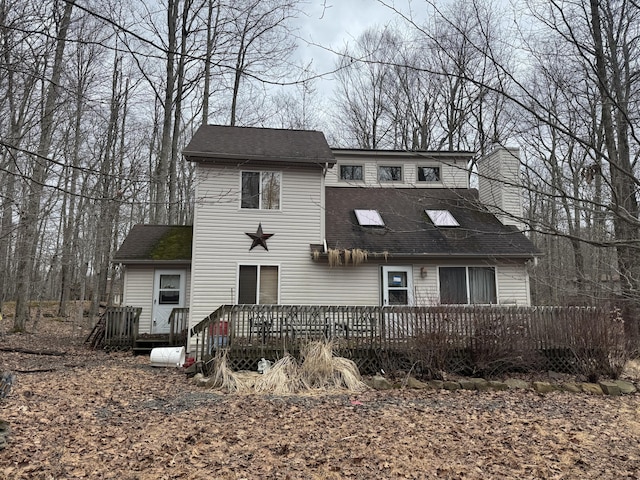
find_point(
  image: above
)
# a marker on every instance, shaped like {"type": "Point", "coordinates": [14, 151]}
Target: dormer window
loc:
{"type": "Point", "coordinates": [261, 190]}
{"type": "Point", "coordinates": [442, 218]}
{"type": "Point", "coordinates": [369, 218]}
{"type": "Point", "coordinates": [390, 173]}
{"type": "Point", "coordinates": [428, 174]}
{"type": "Point", "coordinates": [351, 172]}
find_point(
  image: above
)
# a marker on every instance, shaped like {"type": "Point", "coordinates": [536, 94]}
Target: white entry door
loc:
{"type": "Point", "coordinates": [168, 293]}
{"type": "Point", "coordinates": [397, 286]}
{"type": "Point", "coordinates": [397, 290]}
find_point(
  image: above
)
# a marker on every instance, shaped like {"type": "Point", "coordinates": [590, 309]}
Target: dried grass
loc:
{"type": "Point", "coordinates": [282, 378]}
{"type": "Point", "coordinates": [223, 377]}
{"type": "Point", "coordinates": [346, 375]}
{"type": "Point", "coordinates": [334, 257]}
{"type": "Point", "coordinates": [319, 370]}
{"type": "Point", "coordinates": [359, 256]}
{"type": "Point", "coordinates": [317, 365]}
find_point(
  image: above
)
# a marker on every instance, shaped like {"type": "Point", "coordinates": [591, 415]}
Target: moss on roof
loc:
{"type": "Point", "coordinates": [174, 245]}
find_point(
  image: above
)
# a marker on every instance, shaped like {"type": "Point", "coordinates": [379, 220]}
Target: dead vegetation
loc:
{"type": "Point", "coordinates": [319, 369]}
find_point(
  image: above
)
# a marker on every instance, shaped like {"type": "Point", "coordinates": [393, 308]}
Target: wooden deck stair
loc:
{"type": "Point", "coordinates": [143, 344]}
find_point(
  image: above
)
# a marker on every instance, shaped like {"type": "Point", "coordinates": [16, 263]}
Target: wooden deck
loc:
{"type": "Point", "coordinates": [118, 329]}
{"type": "Point", "coordinates": [377, 337]}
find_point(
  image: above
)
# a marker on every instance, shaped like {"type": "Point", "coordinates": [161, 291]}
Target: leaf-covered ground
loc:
{"type": "Point", "coordinates": [94, 415]}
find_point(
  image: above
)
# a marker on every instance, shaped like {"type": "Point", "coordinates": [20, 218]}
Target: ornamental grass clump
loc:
{"type": "Point", "coordinates": [320, 369]}
{"type": "Point", "coordinates": [282, 378]}
{"type": "Point", "coordinates": [223, 377]}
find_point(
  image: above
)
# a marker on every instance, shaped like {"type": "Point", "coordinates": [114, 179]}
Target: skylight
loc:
{"type": "Point", "coordinates": [442, 218]}
{"type": "Point", "coordinates": [370, 218]}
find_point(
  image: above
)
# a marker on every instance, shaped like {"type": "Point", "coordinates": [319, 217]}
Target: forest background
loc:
{"type": "Point", "coordinates": [98, 98]}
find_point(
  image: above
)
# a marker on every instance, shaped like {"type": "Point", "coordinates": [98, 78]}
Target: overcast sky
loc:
{"type": "Point", "coordinates": [332, 24]}
{"type": "Point", "coordinates": [335, 23]}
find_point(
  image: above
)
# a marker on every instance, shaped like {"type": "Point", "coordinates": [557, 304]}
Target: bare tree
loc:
{"type": "Point", "coordinates": [28, 222]}
{"type": "Point", "coordinates": [262, 41]}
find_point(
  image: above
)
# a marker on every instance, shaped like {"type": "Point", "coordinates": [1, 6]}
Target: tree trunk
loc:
{"type": "Point", "coordinates": [162, 169]}
{"type": "Point", "coordinates": [28, 221]}
{"type": "Point", "coordinates": [624, 202]}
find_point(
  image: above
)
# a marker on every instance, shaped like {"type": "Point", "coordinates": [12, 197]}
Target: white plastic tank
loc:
{"type": "Point", "coordinates": [167, 357]}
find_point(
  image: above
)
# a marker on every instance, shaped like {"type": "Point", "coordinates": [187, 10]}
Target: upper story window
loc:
{"type": "Point", "coordinates": [428, 174]}
{"type": "Point", "coordinates": [351, 172]}
{"type": "Point", "coordinates": [261, 190]}
{"type": "Point", "coordinates": [389, 173]}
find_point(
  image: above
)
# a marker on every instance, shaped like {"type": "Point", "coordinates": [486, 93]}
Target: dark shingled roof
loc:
{"type": "Point", "coordinates": [156, 243]}
{"type": "Point", "coordinates": [223, 143]}
{"type": "Point", "coordinates": [408, 230]}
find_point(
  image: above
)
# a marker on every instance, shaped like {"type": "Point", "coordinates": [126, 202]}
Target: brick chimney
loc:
{"type": "Point", "coordinates": [499, 185]}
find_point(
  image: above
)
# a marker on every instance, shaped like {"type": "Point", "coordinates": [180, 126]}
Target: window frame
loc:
{"type": "Point", "coordinates": [381, 167]}
{"type": "Point", "coordinates": [435, 167]}
{"type": "Point", "coordinates": [257, 293]}
{"type": "Point", "coordinates": [351, 165]}
{"type": "Point", "coordinates": [260, 195]}
{"type": "Point", "coordinates": [467, 279]}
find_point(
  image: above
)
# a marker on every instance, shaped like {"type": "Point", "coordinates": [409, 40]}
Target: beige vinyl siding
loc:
{"type": "Point", "coordinates": [452, 174]}
{"type": "Point", "coordinates": [513, 284]}
{"type": "Point", "coordinates": [221, 245]}
{"type": "Point", "coordinates": [138, 292]}
{"type": "Point", "coordinates": [500, 187]}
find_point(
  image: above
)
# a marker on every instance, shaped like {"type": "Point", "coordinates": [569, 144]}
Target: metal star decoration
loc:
{"type": "Point", "coordinates": [259, 238]}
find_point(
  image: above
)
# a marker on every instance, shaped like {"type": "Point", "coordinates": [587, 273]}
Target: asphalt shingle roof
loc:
{"type": "Point", "coordinates": [218, 142]}
{"type": "Point", "coordinates": [157, 243]}
{"type": "Point", "coordinates": [408, 230]}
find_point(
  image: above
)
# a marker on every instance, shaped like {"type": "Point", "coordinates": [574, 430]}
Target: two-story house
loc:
{"type": "Point", "coordinates": [282, 218]}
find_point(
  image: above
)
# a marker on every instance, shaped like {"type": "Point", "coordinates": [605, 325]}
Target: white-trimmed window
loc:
{"type": "Point", "coordinates": [258, 284]}
{"type": "Point", "coordinates": [261, 190]}
{"type": "Point", "coordinates": [428, 174]}
{"type": "Point", "coordinates": [351, 173]}
{"type": "Point", "coordinates": [390, 173]}
{"type": "Point", "coordinates": [442, 218]}
{"type": "Point", "coordinates": [468, 285]}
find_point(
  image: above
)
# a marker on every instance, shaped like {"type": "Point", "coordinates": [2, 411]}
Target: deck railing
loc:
{"type": "Point", "coordinates": [178, 326]}
{"type": "Point", "coordinates": [471, 328]}
{"type": "Point", "coordinates": [121, 326]}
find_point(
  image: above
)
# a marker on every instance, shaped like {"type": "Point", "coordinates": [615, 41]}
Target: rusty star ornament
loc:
{"type": "Point", "coordinates": [259, 238]}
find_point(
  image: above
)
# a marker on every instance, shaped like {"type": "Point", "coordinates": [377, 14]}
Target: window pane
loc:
{"type": "Point", "coordinates": [398, 297]}
{"type": "Point", "coordinates": [397, 279]}
{"type": "Point", "coordinates": [369, 218]}
{"type": "Point", "coordinates": [247, 284]}
{"type": "Point", "coordinates": [351, 172]}
{"type": "Point", "coordinates": [169, 297]}
{"type": "Point", "coordinates": [482, 285]}
{"type": "Point", "coordinates": [170, 281]}
{"type": "Point", "coordinates": [442, 218]}
{"type": "Point", "coordinates": [389, 174]}
{"type": "Point", "coordinates": [428, 174]}
{"type": "Point", "coordinates": [269, 285]}
{"type": "Point", "coordinates": [250, 190]}
{"type": "Point", "coordinates": [453, 285]}
{"type": "Point", "coordinates": [270, 190]}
